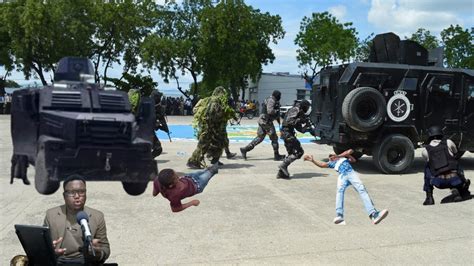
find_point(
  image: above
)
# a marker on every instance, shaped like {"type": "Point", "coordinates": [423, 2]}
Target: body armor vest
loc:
{"type": "Point", "coordinates": [440, 161]}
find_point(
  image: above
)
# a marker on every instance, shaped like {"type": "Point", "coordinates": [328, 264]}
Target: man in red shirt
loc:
{"type": "Point", "coordinates": [176, 188]}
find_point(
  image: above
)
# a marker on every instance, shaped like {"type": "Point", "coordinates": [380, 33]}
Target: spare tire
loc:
{"type": "Point", "coordinates": [364, 109]}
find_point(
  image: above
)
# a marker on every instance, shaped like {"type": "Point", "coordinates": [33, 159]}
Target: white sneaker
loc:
{"type": "Point", "coordinates": [338, 220]}
{"type": "Point", "coordinates": [378, 216]}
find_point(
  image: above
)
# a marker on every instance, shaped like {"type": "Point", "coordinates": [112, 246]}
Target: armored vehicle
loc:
{"type": "Point", "coordinates": [75, 127]}
{"type": "Point", "coordinates": [384, 107]}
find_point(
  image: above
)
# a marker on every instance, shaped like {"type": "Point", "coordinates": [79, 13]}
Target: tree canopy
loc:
{"type": "Point", "coordinates": [322, 41]}
{"type": "Point", "coordinates": [425, 38]}
{"type": "Point", "coordinates": [459, 46]}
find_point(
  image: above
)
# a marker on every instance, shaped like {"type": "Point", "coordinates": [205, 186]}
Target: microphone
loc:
{"type": "Point", "coordinates": [83, 220]}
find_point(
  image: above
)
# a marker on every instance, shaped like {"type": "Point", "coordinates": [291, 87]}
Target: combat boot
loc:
{"type": "Point", "coordinates": [465, 193]}
{"type": "Point", "coordinates": [282, 175]}
{"type": "Point", "coordinates": [284, 169]}
{"type": "Point", "coordinates": [230, 155]}
{"type": "Point", "coordinates": [429, 199]}
{"type": "Point", "coordinates": [278, 157]}
{"type": "Point", "coordinates": [244, 151]}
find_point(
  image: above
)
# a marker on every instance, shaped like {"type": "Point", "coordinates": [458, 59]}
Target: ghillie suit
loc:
{"type": "Point", "coordinates": [210, 119]}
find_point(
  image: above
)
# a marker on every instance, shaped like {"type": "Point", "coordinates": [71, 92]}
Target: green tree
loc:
{"type": "Point", "coordinates": [363, 49]}
{"type": "Point", "coordinates": [42, 32]}
{"type": "Point", "coordinates": [144, 84]}
{"type": "Point", "coordinates": [458, 46]}
{"type": "Point", "coordinates": [173, 47]}
{"type": "Point", "coordinates": [425, 38]}
{"type": "Point", "coordinates": [120, 27]}
{"type": "Point", "coordinates": [323, 40]}
{"type": "Point", "coordinates": [6, 58]}
{"type": "Point", "coordinates": [235, 43]}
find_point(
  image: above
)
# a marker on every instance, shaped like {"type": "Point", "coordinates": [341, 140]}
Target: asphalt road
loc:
{"type": "Point", "coordinates": [247, 216]}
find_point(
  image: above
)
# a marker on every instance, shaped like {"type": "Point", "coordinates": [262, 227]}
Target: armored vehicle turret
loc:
{"type": "Point", "coordinates": [76, 127]}
{"type": "Point", "coordinates": [384, 107]}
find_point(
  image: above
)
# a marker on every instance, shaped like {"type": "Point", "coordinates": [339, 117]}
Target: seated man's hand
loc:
{"type": "Point", "coordinates": [56, 244]}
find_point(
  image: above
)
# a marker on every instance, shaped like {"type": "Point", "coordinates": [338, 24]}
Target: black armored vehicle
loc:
{"type": "Point", "coordinates": [384, 107]}
{"type": "Point", "coordinates": [76, 127]}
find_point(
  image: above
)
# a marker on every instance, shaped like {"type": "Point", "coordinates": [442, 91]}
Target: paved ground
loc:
{"type": "Point", "coordinates": [247, 216]}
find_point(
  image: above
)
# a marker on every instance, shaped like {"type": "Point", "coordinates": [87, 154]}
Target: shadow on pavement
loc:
{"type": "Point", "coordinates": [236, 166]}
{"type": "Point", "coordinates": [307, 175]}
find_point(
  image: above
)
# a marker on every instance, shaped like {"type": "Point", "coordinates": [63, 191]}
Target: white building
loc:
{"type": "Point", "coordinates": [292, 87]}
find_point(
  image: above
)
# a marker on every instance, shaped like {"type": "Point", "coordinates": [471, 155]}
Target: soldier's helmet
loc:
{"type": "Point", "coordinates": [219, 91]}
{"type": "Point", "coordinates": [73, 69]}
{"type": "Point", "coordinates": [276, 94]}
{"type": "Point", "coordinates": [434, 132]}
{"type": "Point", "coordinates": [304, 105]}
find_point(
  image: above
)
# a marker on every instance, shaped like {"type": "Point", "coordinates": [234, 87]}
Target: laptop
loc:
{"type": "Point", "coordinates": [36, 241]}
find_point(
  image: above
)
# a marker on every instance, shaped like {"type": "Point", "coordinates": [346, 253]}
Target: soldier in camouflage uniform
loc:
{"type": "Point", "coordinates": [160, 123]}
{"type": "Point", "coordinates": [295, 118]}
{"type": "Point", "coordinates": [210, 119]}
{"type": "Point", "coordinates": [270, 112]}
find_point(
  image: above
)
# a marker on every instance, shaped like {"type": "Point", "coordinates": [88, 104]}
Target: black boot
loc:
{"type": "Point", "coordinates": [244, 151]}
{"type": "Point", "coordinates": [283, 167]}
{"type": "Point", "coordinates": [465, 193]}
{"type": "Point", "coordinates": [230, 155]}
{"type": "Point", "coordinates": [429, 199]}
{"type": "Point", "coordinates": [278, 157]}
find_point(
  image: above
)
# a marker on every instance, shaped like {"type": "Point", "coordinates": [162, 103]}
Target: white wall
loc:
{"type": "Point", "coordinates": [286, 84]}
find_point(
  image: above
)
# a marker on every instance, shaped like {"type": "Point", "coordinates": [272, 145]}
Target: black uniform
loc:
{"type": "Point", "coordinates": [295, 119]}
{"type": "Point", "coordinates": [160, 123]}
{"type": "Point", "coordinates": [442, 169]}
{"type": "Point", "coordinates": [270, 112]}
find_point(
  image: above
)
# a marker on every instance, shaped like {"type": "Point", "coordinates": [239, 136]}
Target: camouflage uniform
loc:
{"type": "Point", "coordinates": [295, 118]}
{"type": "Point", "coordinates": [270, 112]}
{"type": "Point", "coordinates": [210, 120]}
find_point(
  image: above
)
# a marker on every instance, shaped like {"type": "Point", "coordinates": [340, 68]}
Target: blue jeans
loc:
{"type": "Point", "coordinates": [345, 180]}
{"type": "Point", "coordinates": [200, 179]}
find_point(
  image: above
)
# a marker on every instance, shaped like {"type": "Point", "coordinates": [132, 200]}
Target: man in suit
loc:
{"type": "Point", "coordinates": [66, 232]}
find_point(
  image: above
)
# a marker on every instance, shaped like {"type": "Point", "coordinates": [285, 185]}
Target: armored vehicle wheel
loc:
{"type": "Point", "coordinates": [394, 154]}
{"type": "Point", "coordinates": [43, 184]}
{"type": "Point", "coordinates": [364, 109]}
{"type": "Point", "coordinates": [340, 149]}
{"type": "Point", "coordinates": [134, 188]}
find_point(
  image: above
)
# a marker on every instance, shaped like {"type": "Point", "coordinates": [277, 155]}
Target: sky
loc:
{"type": "Point", "coordinates": [403, 17]}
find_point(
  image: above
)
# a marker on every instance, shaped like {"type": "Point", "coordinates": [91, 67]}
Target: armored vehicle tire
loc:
{"type": "Point", "coordinates": [364, 109]}
{"type": "Point", "coordinates": [134, 188]}
{"type": "Point", "coordinates": [43, 184]}
{"type": "Point", "coordinates": [339, 150]}
{"type": "Point", "coordinates": [394, 154]}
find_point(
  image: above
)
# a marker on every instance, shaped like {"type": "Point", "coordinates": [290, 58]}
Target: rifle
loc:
{"type": "Point", "coordinates": [161, 123]}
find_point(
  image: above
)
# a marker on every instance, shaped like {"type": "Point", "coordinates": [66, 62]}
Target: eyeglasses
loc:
{"type": "Point", "coordinates": [72, 193]}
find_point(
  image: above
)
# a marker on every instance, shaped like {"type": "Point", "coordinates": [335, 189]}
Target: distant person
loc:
{"type": "Point", "coordinates": [347, 176]}
{"type": "Point", "coordinates": [66, 233]}
{"type": "Point", "coordinates": [442, 168]}
{"type": "Point", "coordinates": [270, 113]}
{"type": "Point", "coordinates": [175, 188]}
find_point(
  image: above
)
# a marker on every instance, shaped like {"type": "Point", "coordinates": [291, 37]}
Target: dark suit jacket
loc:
{"type": "Point", "coordinates": [56, 220]}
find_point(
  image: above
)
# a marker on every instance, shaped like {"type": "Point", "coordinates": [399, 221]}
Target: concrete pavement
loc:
{"type": "Point", "coordinates": [247, 216]}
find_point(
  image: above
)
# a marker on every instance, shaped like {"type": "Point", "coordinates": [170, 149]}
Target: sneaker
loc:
{"type": "Point", "coordinates": [214, 169]}
{"type": "Point", "coordinates": [378, 216]}
{"type": "Point", "coordinates": [284, 169]}
{"type": "Point", "coordinates": [243, 151]}
{"type": "Point", "coordinates": [338, 219]}
{"type": "Point", "coordinates": [231, 155]}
